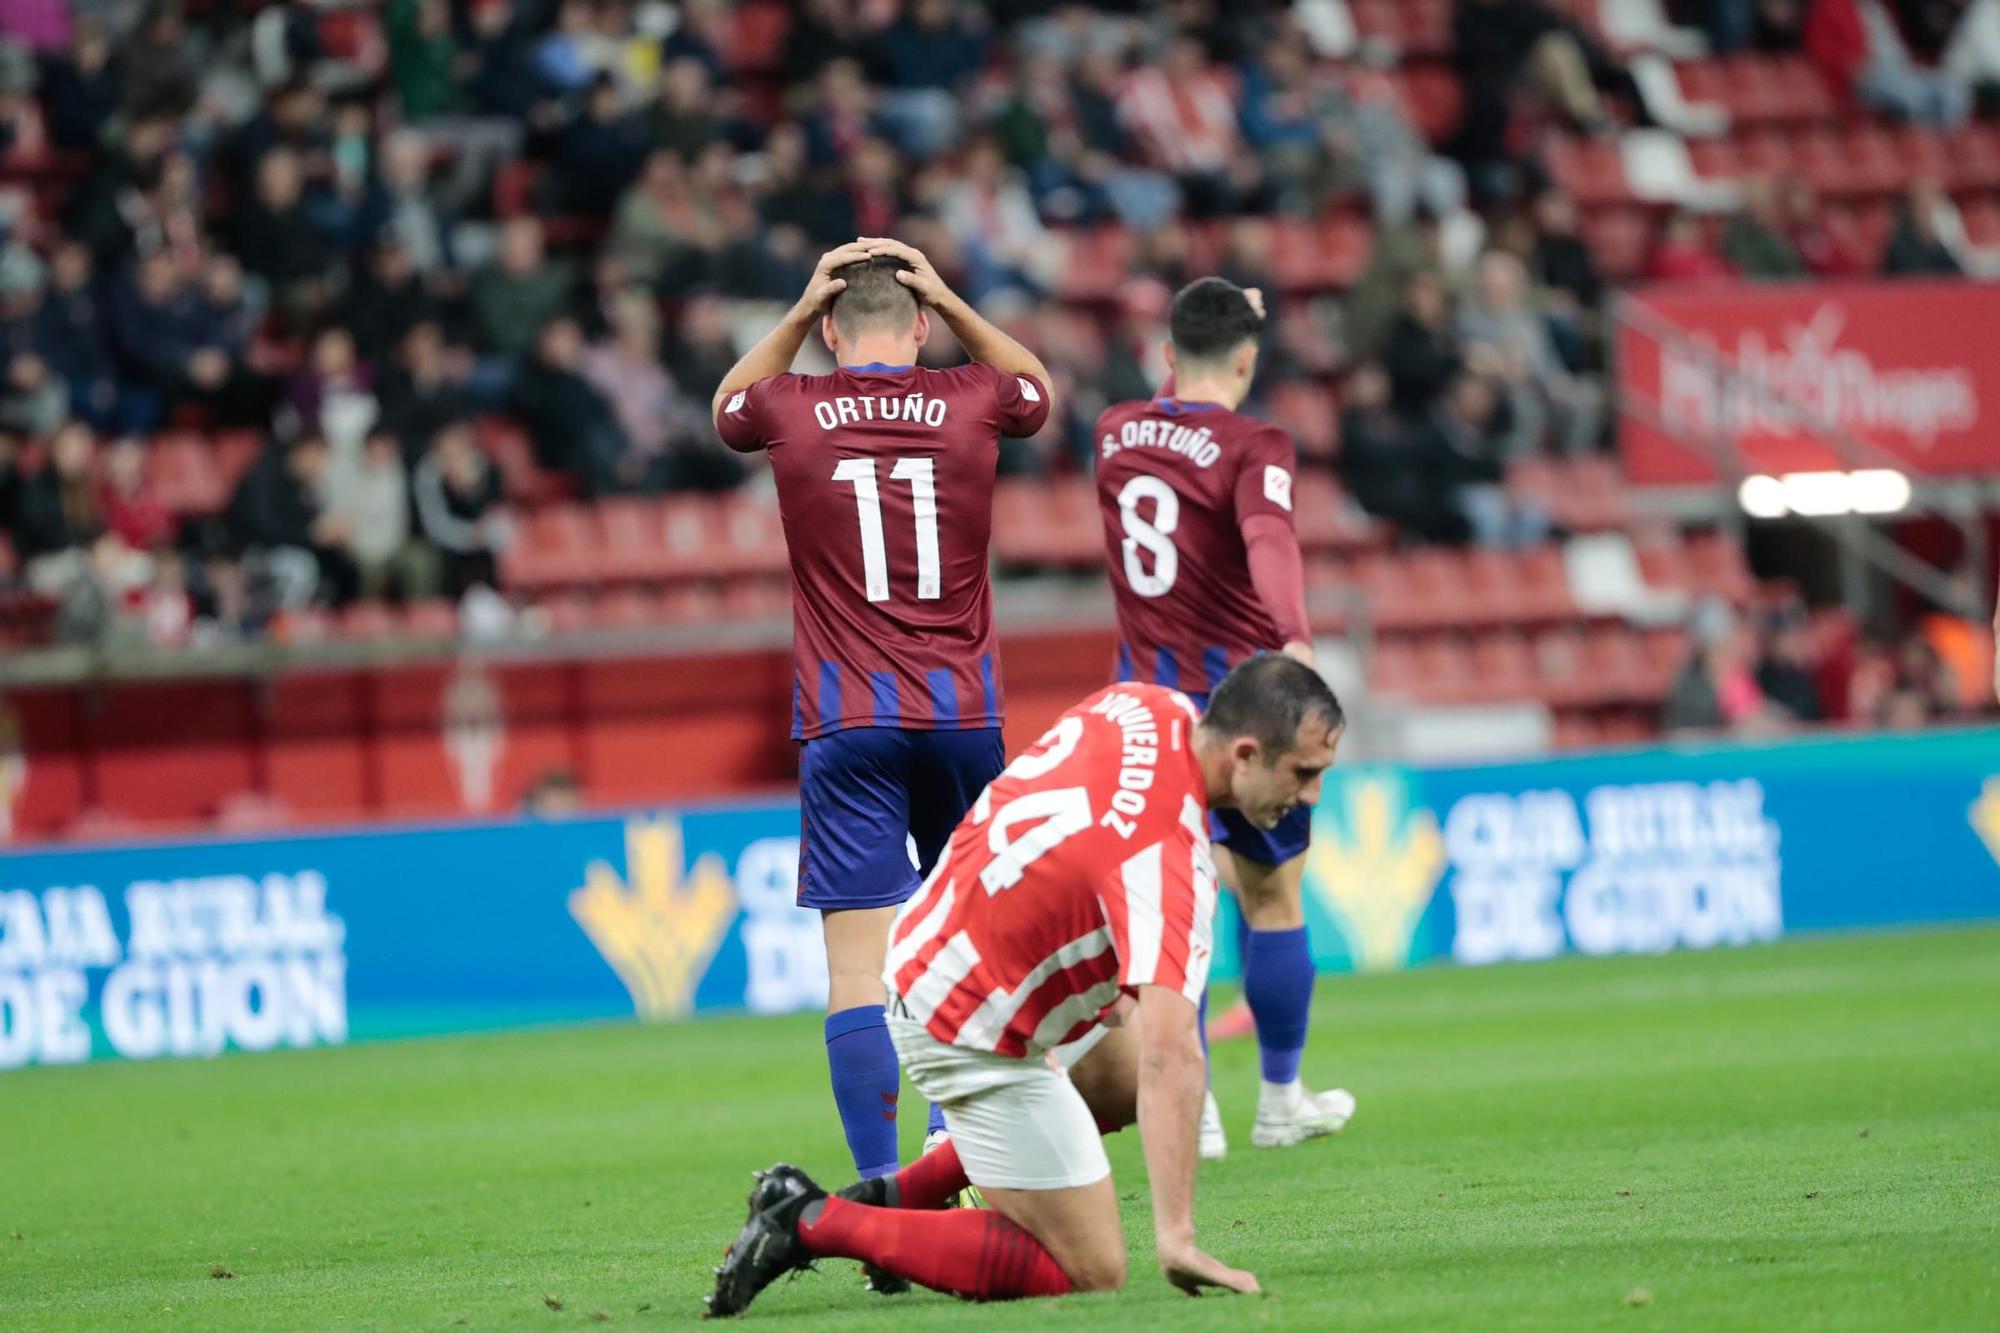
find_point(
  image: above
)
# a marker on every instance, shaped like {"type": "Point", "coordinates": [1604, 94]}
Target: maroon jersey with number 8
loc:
{"type": "Point", "coordinates": [885, 486]}
{"type": "Point", "coordinates": [1176, 481]}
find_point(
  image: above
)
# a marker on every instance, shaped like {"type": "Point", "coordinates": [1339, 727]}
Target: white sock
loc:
{"type": "Point", "coordinates": [1285, 1095]}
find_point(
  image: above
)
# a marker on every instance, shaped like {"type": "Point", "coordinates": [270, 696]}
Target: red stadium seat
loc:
{"type": "Point", "coordinates": [367, 620]}
{"type": "Point", "coordinates": [1443, 667]}
{"type": "Point", "coordinates": [754, 535]}
{"type": "Point", "coordinates": [184, 475]}
{"type": "Point", "coordinates": [432, 619]}
{"type": "Point", "coordinates": [1619, 240]}
{"type": "Point", "coordinates": [553, 549]}
{"type": "Point", "coordinates": [1503, 666]}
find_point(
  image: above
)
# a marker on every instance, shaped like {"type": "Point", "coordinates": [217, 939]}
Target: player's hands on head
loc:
{"type": "Point", "coordinates": [1255, 295]}
{"type": "Point", "coordinates": [922, 280]}
{"type": "Point", "coordinates": [1299, 651]}
{"type": "Point", "coordinates": [1191, 1270]}
{"type": "Point", "coordinates": [824, 286]}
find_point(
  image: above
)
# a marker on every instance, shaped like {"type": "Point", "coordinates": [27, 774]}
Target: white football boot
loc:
{"type": "Point", "coordinates": [1288, 1114]}
{"type": "Point", "coordinates": [1213, 1144]}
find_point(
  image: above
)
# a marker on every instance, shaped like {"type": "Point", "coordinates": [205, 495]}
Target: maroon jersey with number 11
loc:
{"type": "Point", "coordinates": [885, 486]}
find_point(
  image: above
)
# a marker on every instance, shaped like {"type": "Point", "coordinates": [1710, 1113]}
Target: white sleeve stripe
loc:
{"type": "Point", "coordinates": [1144, 924]}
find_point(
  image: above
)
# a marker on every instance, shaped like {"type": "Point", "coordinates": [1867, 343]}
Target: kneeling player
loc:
{"type": "Point", "coordinates": [1078, 891]}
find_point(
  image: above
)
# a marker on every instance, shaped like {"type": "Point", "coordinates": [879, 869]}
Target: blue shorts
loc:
{"type": "Point", "coordinates": [1271, 847]}
{"type": "Point", "coordinates": [866, 792]}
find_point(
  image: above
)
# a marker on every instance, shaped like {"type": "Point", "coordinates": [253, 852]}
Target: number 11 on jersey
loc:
{"type": "Point", "coordinates": [921, 473]}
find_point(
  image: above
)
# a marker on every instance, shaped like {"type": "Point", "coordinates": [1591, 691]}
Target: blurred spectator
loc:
{"type": "Point", "coordinates": [386, 299]}
{"type": "Point", "coordinates": [279, 517]}
{"type": "Point", "coordinates": [280, 242]}
{"type": "Point", "coordinates": [127, 502]}
{"type": "Point", "coordinates": [1917, 248]}
{"type": "Point", "coordinates": [520, 291]}
{"type": "Point", "coordinates": [841, 113]}
{"type": "Point", "coordinates": [1681, 253]}
{"type": "Point", "coordinates": [457, 494]}
{"type": "Point", "coordinates": [1397, 253]}
{"type": "Point", "coordinates": [600, 151]}
{"type": "Point", "coordinates": [73, 334]}
{"type": "Point", "coordinates": [1784, 664]}
{"type": "Point", "coordinates": [571, 425]}
{"type": "Point", "coordinates": [682, 117]}
{"type": "Point", "coordinates": [930, 49]}
{"type": "Point", "coordinates": [424, 389]}
{"type": "Point", "coordinates": [34, 398]}
{"type": "Point", "coordinates": [1716, 689]}
{"type": "Point", "coordinates": [1754, 242]}
{"type": "Point", "coordinates": [58, 513]}
{"type": "Point", "coordinates": [702, 350]}
{"type": "Point", "coordinates": [424, 62]}
{"type": "Point", "coordinates": [657, 230]}
{"type": "Point", "coordinates": [1506, 338]}
{"type": "Point", "coordinates": [1462, 451]}
{"type": "Point", "coordinates": [1391, 466]}
{"type": "Point", "coordinates": [1863, 58]}
{"type": "Point", "coordinates": [332, 394]}
{"type": "Point", "coordinates": [1422, 353]}
{"type": "Point", "coordinates": [1823, 251]}
{"type": "Point", "coordinates": [989, 211]}
{"type": "Point", "coordinates": [368, 493]}
{"type": "Point", "coordinates": [626, 370]}
{"type": "Point", "coordinates": [1181, 111]}
{"type": "Point", "coordinates": [1566, 280]}
{"type": "Point", "coordinates": [81, 87]}
{"type": "Point", "coordinates": [404, 212]}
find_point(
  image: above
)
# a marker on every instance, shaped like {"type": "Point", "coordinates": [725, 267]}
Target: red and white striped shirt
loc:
{"type": "Point", "coordinates": [1083, 871]}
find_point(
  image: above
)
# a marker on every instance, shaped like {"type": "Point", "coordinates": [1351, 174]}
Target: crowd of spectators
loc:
{"type": "Point", "coordinates": [560, 211]}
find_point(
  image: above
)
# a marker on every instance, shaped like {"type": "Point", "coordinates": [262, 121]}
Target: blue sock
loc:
{"type": "Point", "coordinates": [1278, 983]}
{"type": "Point", "coordinates": [866, 1082]}
{"type": "Point", "coordinates": [936, 1121]}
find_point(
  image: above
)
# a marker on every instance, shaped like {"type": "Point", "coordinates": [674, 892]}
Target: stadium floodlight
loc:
{"type": "Point", "coordinates": [1825, 494]}
{"type": "Point", "coordinates": [1762, 497]}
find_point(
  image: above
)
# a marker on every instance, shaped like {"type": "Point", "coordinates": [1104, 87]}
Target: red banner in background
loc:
{"type": "Point", "coordinates": [1912, 368]}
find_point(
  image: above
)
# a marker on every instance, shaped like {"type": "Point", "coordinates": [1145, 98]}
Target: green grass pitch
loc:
{"type": "Point", "coordinates": [1800, 1136]}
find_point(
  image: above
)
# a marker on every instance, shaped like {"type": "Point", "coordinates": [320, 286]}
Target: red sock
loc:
{"type": "Point", "coordinates": [931, 1179]}
{"type": "Point", "coordinates": [968, 1252]}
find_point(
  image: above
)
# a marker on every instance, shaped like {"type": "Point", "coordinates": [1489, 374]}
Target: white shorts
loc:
{"type": "Point", "coordinates": [1018, 1124]}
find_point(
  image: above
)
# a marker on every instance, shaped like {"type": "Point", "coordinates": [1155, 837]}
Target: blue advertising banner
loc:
{"type": "Point", "coordinates": [192, 948]}
{"type": "Point", "coordinates": [197, 947]}
{"type": "Point", "coordinates": [1649, 850]}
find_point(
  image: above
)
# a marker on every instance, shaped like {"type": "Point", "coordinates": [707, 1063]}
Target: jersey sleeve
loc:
{"type": "Point", "coordinates": [1264, 486]}
{"type": "Point", "coordinates": [741, 422]}
{"type": "Point", "coordinates": [1164, 928]}
{"type": "Point", "coordinates": [1023, 403]}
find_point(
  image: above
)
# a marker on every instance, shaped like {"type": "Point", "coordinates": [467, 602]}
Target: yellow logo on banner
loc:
{"type": "Point", "coordinates": [1985, 817]}
{"type": "Point", "coordinates": [659, 931]}
{"type": "Point", "coordinates": [1375, 863]}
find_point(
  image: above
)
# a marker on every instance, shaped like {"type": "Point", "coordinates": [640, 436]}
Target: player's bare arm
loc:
{"type": "Point", "coordinates": [776, 350]}
{"type": "Point", "coordinates": [1173, 1077]}
{"type": "Point", "coordinates": [982, 341]}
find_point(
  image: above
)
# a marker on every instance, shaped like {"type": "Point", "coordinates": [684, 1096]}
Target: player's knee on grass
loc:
{"type": "Point", "coordinates": [1079, 1227]}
